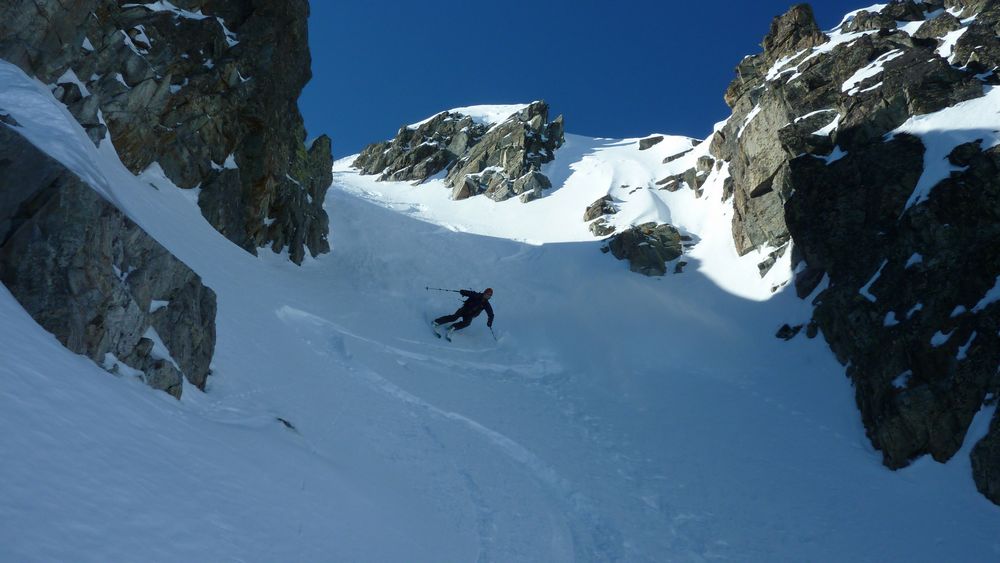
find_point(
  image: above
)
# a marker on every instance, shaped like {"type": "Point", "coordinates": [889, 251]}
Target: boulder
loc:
{"type": "Point", "coordinates": [647, 247]}
{"type": "Point", "coordinates": [939, 26]}
{"type": "Point", "coordinates": [601, 228]}
{"type": "Point", "coordinates": [649, 142]}
{"type": "Point", "coordinates": [602, 206]}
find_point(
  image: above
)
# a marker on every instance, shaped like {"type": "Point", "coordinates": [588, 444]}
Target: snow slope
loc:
{"type": "Point", "coordinates": [617, 417]}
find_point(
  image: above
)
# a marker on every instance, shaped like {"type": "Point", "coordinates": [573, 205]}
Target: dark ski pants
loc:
{"type": "Point", "coordinates": [466, 320]}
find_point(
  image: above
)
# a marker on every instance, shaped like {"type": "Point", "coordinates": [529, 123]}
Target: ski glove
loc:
{"type": "Point", "coordinates": [489, 323]}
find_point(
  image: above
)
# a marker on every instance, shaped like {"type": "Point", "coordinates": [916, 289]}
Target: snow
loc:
{"type": "Point", "coordinates": [87, 45]}
{"type": "Point", "coordinates": [964, 348]}
{"type": "Point", "coordinates": [901, 380]}
{"type": "Point", "coordinates": [156, 304]}
{"type": "Point", "coordinates": [948, 42]}
{"type": "Point", "coordinates": [753, 113]}
{"type": "Point", "coordinates": [231, 38]}
{"type": "Point", "coordinates": [914, 259]}
{"type": "Point", "coordinates": [940, 338]}
{"type": "Point", "coordinates": [70, 77]}
{"type": "Point", "coordinates": [482, 114]}
{"type": "Point", "coordinates": [165, 6]}
{"type": "Point", "coordinates": [837, 154]}
{"type": "Point", "coordinates": [849, 16]}
{"type": "Point", "coordinates": [852, 85]}
{"type": "Point", "coordinates": [864, 291]}
{"type": "Point", "coordinates": [617, 417]}
{"type": "Point", "coordinates": [942, 131]}
{"type": "Point", "coordinates": [992, 296]}
{"type": "Point", "coordinates": [829, 128]}
{"type": "Point", "coordinates": [890, 319]}
{"type": "Point", "coordinates": [160, 351]}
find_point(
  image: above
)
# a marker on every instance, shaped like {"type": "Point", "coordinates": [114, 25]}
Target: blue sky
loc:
{"type": "Point", "coordinates": [621, 69]}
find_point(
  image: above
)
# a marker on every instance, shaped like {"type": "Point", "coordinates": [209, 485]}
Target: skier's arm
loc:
{"type": "Point", "coordinates": [489, 314]}
{"type": "Point", "coordinates": [466, 293]}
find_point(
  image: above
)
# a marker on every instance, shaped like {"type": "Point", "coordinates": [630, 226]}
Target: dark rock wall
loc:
{"type": "Point", "coordinates": [190, 89]}
{"type": "Point", "coordinates": [94, 279]}
{"type": "Point", "coordinates": [811, 163]}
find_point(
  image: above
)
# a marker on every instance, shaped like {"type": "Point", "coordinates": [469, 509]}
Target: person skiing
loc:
{"type": "Point", "coordinates": [475, 303]}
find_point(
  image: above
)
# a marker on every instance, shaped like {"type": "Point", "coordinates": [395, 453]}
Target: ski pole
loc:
{"type": "Point", "coordinates": [494, 335]}
{"type": "Point", "coordinates": [439, 289]}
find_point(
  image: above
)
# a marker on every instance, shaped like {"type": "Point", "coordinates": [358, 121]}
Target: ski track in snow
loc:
{"type": "Point", "coordinates": [593, 538]}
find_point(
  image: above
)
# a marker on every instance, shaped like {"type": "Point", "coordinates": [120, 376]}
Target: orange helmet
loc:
{"type": "Point", "coordinates": [488, 292]}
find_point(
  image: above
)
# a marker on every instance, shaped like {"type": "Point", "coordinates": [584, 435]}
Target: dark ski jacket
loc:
{"type": "Point", "coordinates": [476, 303]}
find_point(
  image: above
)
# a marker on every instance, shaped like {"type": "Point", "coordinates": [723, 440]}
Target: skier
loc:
{"type": "Point", "coordinates": [475, 303]}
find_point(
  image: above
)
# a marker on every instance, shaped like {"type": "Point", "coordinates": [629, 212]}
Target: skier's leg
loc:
{"type": "Point", "coordinates": [466, 321]}
{"type": "Point", "coordinates": [446, 319]}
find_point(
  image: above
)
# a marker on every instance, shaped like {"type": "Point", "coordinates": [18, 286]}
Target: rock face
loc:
{"type": "Point", "coordinates": [205, 88]}
{"type": "Point", "coordinates": [812, 162]}
{"type": "Point", "coordinates": [501, 161]}
{"type": "Point", "coordinates": [94, 279]}
{"type": "Point", "coordinates": [647, 247]}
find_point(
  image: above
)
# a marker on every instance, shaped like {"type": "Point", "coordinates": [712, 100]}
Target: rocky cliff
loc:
{"type": "Point", "coordinates": [94, 279]}
{"type": "Point", "coordinates": [205, 88]}
{"type": "Point", "coordinates": [894, 223]}
{"type": "Point", "coordinates": [501, 160]}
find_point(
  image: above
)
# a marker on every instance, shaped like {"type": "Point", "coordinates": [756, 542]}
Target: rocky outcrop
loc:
{"type": "Point", "coordinates": [499, 161]}
{"type": "Point", "coordinates": [418, 152]}
{"type": "Point", "coordinates": [94, 279]}
{"type": "Point", "coordinates": [692, 178]}
{"type": "Point", "coordinates": [205, 88]}
{"type": "Point", "coordinates": [649, 142]}
{"type": "Point", "coordinates": [812, 161]}
{"type": "Point", "coordinates": [647, 247]}
{"type": "Point", "coordinates": [602, 206]}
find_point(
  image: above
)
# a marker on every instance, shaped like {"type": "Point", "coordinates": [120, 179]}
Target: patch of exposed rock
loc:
{"type": "Point", "coordinates": [647, 247]}
{"type": "Point", "coordinates": [94, 279]}
{"type": "Point", "coordinates": [500, 161]}
{"type": "Point", "coordinates": [205, 88]}
{"type": "Point", "coordinates": [811, 164]}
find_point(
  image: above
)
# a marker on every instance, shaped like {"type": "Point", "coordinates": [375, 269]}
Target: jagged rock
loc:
{"type": "Point", "coordinates": [417, 153]}
{"type": "Point", "coordinates": [903, 10]}
{"type": "Point", "coordinates": [679, 267]}
{"type": "Point", "coordinates": [674, 157]}
{"type": "Point", "coordinates": [601, 228]}
{"type": "Point", "coordinates": [868, 21]}
{"type": "Point", "coordinates": [603, 206]}
{"type": "Point", "coordinates": [809, 161]}
{"type": "Point", "coordinates": [978, 48]}
{"type": "Point", "coordinates": [647, 247]}
{"type": "Point", "coordinates": [792, 32]}
{"type": "Point", "coordinates": [93, 278]}
{"type": "Point", "coordinates": [649, 142]}
{"type": "Point", "coordinates": [765, 266]}
{"type": "Point", "coordinates": [500, 162]}
{"type": "Point", "coordinates": [938, 26]}
{"type": "Point", "coordinates": [191, 94]}
{"type": "Point", "coordinates": [510, 151]}
{"type": "Point", "coordinates": [692, 178]}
